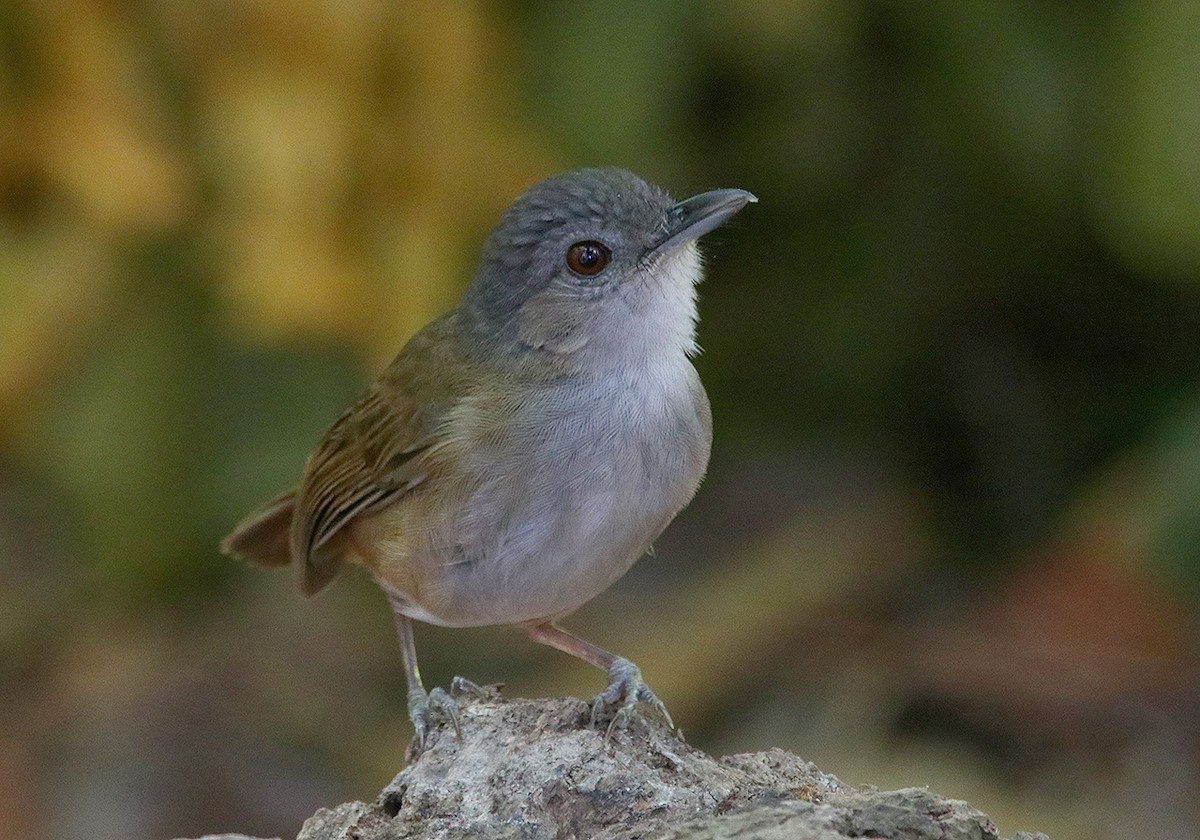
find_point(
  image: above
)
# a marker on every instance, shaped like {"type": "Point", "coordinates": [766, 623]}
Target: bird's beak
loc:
{"type": "Point", "coordinates": [688, 220]}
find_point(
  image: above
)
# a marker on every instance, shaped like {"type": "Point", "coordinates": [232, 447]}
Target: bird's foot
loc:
{"type": "Point", "coordinates": [463, 687]}
{"type": "Point", "coordinates": [625, 690]}
{"type": "Point", "coordinates": [420, 706]}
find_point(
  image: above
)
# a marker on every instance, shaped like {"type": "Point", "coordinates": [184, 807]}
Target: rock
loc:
{"type": "Point", "coordinates": [228, 837]}
{"type": "Point", "coordinates": [534, 770]}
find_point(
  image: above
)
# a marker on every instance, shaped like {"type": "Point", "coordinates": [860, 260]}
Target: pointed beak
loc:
{"type": "Point", "coordinates": [688, 220]}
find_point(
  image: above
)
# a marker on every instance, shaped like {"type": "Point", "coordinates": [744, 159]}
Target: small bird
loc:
{"type": "Point", "coordinates": [526, 448]}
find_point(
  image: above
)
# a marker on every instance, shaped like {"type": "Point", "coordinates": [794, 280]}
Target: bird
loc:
{"type": "Point", "coordinates": [524, 449]}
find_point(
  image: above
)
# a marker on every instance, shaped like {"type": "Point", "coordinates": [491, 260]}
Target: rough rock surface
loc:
{"type": "Point", "coordinates": [533, 769]}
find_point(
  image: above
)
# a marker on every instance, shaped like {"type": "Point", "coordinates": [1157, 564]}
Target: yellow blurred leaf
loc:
{"type": "Point", "coordinates": [52, 289]}
{"type": "Point", "coordinates": [355, 175]}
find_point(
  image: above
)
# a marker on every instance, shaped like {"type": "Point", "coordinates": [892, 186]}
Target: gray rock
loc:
{"type": "Point", "coordinates": [534, 770]}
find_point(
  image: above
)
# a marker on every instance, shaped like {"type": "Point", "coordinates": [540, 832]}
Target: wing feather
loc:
{"type": "Point", "coordinates": [371, 456]}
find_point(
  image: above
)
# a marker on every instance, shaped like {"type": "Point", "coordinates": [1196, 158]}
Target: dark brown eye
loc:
{"type": "Point", "coordinates": [588, 259]}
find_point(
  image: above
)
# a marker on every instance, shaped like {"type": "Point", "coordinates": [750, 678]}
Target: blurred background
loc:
{"type": "Point", "coordinates": [951, 531]}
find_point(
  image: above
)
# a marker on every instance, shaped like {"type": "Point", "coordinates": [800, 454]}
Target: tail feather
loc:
{"type": "Point", "coordinates": [264, 536]}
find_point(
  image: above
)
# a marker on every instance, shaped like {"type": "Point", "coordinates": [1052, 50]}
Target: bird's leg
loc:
{"type": "Point", "coordinates": [626, 688]}
{"type": "Point", "coordinates": [420, 701]}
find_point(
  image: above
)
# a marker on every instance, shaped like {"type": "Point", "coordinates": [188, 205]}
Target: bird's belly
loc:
{"type": "Point", "coordinates": [550, 519]}
{"type": "Point", "coordinates": [561, 554]}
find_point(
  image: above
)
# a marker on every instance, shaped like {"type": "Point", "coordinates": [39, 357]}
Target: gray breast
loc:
{"type": "Point", "coordinates": [590, 474]}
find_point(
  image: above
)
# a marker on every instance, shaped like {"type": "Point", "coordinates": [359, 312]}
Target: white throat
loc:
{"type": "Point", "coordinates": [654, 322]}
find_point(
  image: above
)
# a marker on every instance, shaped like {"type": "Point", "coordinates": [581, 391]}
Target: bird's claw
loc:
{"type": "Point", "coordinates": [420, 704]}
{"type": "Point", "coordinates": [463, 687]}
{"type": "Point", "coordinates": [625, 690]}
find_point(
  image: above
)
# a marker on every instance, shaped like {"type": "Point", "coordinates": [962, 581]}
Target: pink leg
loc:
{"type": "Point", "coordinates": [626, 686]}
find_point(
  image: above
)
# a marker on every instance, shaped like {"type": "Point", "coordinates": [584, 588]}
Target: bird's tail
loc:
{"type": "Point", "coordinates": [264, 536]}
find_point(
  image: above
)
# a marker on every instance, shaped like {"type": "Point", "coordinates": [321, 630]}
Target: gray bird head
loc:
{"type": "Point", "coordinates": [596, 260]}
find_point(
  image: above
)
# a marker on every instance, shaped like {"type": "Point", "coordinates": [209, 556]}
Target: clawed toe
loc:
{"type": "Point", "coordinates": [626, 688]}
{"type": "Point", "coordinates": [420, 706]}
{"type": "Point", "coordinates": [463, 687]}
{"type": "Point", "coordinates": [625, 691]}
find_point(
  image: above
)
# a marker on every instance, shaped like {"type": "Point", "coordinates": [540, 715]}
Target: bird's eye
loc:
{"type": "Point", "coordinates": [588, 259]}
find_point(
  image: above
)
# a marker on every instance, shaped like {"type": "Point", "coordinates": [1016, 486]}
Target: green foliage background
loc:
{"type": "Point", "coordinates": [950, 532]}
